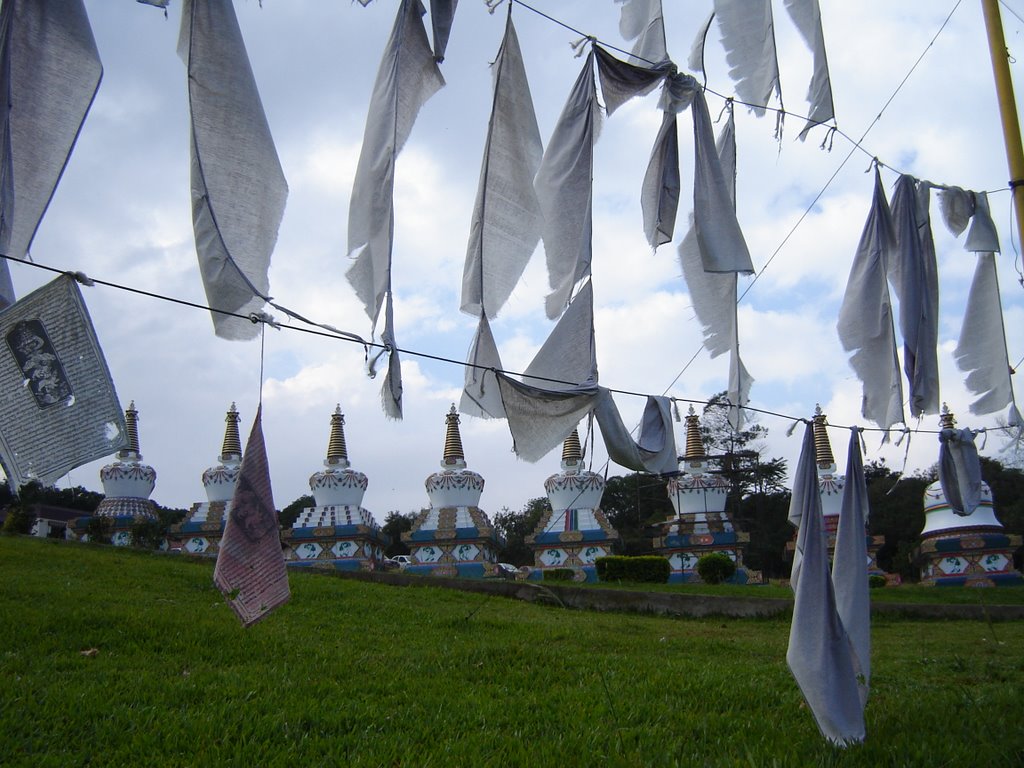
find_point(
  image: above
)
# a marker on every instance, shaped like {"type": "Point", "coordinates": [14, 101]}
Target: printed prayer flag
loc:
{"type": "Point", "coordinates": [250, 569]}
{"type": "Point", "coordinates": [59, 409]}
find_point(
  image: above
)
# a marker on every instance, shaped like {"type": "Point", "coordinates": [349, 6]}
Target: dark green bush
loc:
{"type": "Point", "coordinates": [559, 574]}
{"type": "Point", "coordinates": [18, 520]}
{"type": "Point", "coordinates": [715, 567]}
{"type": "Point", "coordinates": [148, 534]}
{"type": "Point", "coordinates": [876, 581]}
{"type": "Point", "coordinates": [647, 569]}
{"type": "Point", "coordinates": [99, 529]}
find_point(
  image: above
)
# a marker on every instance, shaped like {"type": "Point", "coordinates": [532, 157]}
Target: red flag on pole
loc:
{"type": "Point", "coordinates": [250, 567]}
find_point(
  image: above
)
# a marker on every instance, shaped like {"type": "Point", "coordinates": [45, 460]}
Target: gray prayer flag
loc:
{"type": "Point", "coordinates": [59, 409]}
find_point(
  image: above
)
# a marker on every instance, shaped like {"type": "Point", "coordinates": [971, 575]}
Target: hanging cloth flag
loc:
{"type": "Point", "coordinates": [480, 394]}
{"type": "Point", "coordinates": [982, 235]}
{"type": "Point", "coordinates": [820, 654]}
{"type": "Point", "coordinates": [959, 470]}
{"type": "Point", "coordinates": [506, 221]}
{"type": "Point", "coordinates": [59, 410]}
{"type": "Point", "coordinates": [621, 81]}
{"type": "Point", "coordinates": [250, 570]}
{"type": "Point", "coordinates": [865, 324]}
{"type": "Point", "coordinates": [961, 207]}
{"type": "Point", "coordinates": [981, 350]}
{"type": "Point", "coordinates": [565, 188]}
{"type": "Point", "coordinates": [559, 386]}
{"type": "Point", "coordinates": [718, 233]}
{"type": "Point", "coordinates": [238, 187]}
{"type": "Point", "coordinates": [644, 22]}
{"type": "Point", "coordinates": [850, 565]}
{"type": "Point", "coordinates": [748, 34]}
{"type": "Point", "coordinates": [442, 14]}
{"type": "Point", "coordinates": [695, 61]}
{"type": "Point", "coordinates": [49, 72]}
{"type": "Point", "coordinates": [806, 15]}
{"type": "Point", "coordinates": [659, 199]}
{"type": "Point", "coordinates": [714, 295]}
{"type": "Point", "coordinates": [654, 451]}
{"type": "Point", "coordinates": [408, 76]}
{"type": "Point", "coordinates": [914, 277]}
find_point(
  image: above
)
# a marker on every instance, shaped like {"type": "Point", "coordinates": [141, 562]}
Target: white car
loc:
{"type": "Point", "coordinates": [507, 570]}
{"type": "Point", "coordinates": [404, 561]}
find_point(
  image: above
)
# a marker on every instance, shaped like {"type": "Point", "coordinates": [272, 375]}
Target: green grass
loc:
{"type": "Point", "coordinates": [905, 593]}
{"type": "Point", "coordinates": [351, 673]}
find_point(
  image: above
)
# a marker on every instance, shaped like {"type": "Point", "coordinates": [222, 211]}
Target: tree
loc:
{"type": "Point", "coordinates": [290, 514]}
{"type": "Point", "coordinates": [19, 520]}
{"type": "Point", "coordinates": [738, 455]}
{"type": "Point", "coordinates": [395, 524]}
{"type": "Point", "coordinates": [765, 516]}
{"type": "Point", "coordinates": [514, 527]}
{"type": "Point", "coordinates": [70, 498]}
{"type": "Point", "coordinates": [896, 506]}
{"type": "Point", "coordinates": [633, 503]}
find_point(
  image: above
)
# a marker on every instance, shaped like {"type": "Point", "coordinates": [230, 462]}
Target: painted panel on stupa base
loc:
{"type": "Point", "coordinates": [453, 559]}
{"type": "Point", "coordinates": [581, 558]}
{"type": "Point", "coordinates": [970, 558]}
{"type": "Point", "coordinates": [348, 547]}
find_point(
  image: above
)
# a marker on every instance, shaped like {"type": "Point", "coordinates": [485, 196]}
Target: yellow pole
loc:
{"type": "Point", "coordinates": [1007, 108]}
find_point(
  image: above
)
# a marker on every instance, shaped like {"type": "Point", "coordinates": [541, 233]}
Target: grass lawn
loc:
{"type": "Point", "coordinates": [351, 673]}
{"type": "Point", "coordinates": [905, 593]}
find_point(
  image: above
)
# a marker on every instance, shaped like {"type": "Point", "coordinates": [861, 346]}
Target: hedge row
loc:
{"type": "Point", "coordinates": [650, 569]}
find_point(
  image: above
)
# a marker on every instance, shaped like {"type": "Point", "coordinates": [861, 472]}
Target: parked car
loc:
{"type": "Point", "coordinates": [404, 561]}
{"type": "Point", "coordinates": [389, 564]}
{"type": "Point", "coordinates": [507, 570]}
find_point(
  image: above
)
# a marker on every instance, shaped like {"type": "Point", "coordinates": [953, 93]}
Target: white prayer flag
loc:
{"type": "Point", "coordinates": [850, 565]}
{"type": "Point", "coordinates": [914, 276]}
{"type": "Point", "coordinates": [644, 22]}
{"type": "Point", "coordinates": [238, 187]}
{"type": "Point", "coordinates": [748, 35]}
{"type": "Point", "coordinates": [506, 222]}
{"type": "Point", "coordinates": [49, 72]}
{"type": "Point", "coordinates": [820, 654]}
{"type": "Point", "coordinates": [981, 349]}
{"type": "Point", "coordinates": [565, 188]}
{"type": "Point", "coordinates": [865, 324]}
{"type": "Point", "coordinates": [59, 409]}
{"type": "Point", "coordinates": [714, 295]}
{"type": "Point", "coordinates": [806, 15]}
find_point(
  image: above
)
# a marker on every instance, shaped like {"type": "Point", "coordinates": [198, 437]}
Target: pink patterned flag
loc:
{"type": "Point", "coordinates": [250, 568]}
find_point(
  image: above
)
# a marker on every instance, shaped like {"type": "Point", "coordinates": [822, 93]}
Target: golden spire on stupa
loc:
{"type": "Point", "coordinates": [946, 418]}
{"type": "Point", "coordinates": [572, 452]}
{"type": "Point", "coordinates": [232, 447]}
{"type": "Point", "coordinates": [337, 452]}
{"type": "Point", "coordinates": [694, 444]}
{"type": "Point", "coordinates": [452, 439]}
{"type": "Point", "coordinates": [131, 423]}
{"type": "Point", "coordinates": [822, 446]}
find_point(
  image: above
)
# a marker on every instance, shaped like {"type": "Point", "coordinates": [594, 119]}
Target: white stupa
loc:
{"type": "Point", "coordinates": [201, 531]}
{"type": "Point", "coordinates": [337, 532]}
{"type": "Point", "coordinates": [575, 532]}
{"type": "Point", "coordinates": [701, 524]}
{"type": "Point", "coordinates": [127, 485]}
{"type": "Point", "coordinates": [454, 537]}
{"type": "Point", "coordinates": [965, 550]}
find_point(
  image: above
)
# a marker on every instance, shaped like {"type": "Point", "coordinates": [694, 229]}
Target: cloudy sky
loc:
{"type": "Point", "coordinates": [122, 213]}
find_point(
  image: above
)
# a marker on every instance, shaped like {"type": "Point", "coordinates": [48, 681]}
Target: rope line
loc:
{"type": "Point", "coordinates": [351, 338]}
